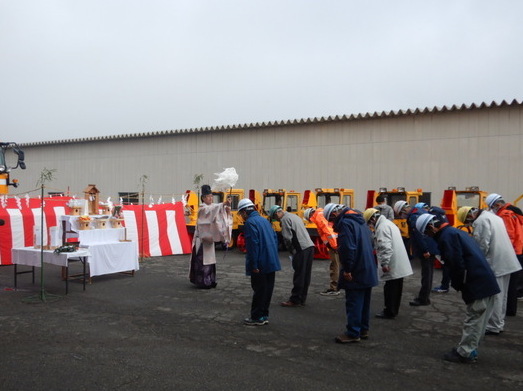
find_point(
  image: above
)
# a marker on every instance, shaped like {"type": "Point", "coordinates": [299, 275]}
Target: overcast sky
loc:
{"type": "Point", "coordinates": [75, 68]}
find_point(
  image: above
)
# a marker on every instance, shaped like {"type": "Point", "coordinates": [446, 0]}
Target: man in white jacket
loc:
{"type": "Point", "coordinates": [490, 233]}
{"type": "Point", "coordinates": [392, 258]}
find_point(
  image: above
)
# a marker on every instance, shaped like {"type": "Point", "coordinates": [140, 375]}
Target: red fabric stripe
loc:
{"type": "Point", "coordinates": [143, 230]}
{"type": "Point", "coordinates": [182, 228]}
{"type": "Point", "coordinates": [6, 234]}
{"type": "Point", "coordinates": [6, 239]}
{"type": "Point", "coordinates": [29, 223]}
{"type": "Point", "coordinates": [161, 215]}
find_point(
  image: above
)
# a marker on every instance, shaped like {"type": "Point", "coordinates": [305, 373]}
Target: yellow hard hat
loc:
{"type": "Point", "coordinates": [369, 213]}
{"type": "Point", "coordinates": [463, 212]}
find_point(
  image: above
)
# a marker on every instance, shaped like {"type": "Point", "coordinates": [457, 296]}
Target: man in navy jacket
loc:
{"type": "Point", "coordinates": [470, 274]}
{"type": "Point", "coordinates": [359, 271]}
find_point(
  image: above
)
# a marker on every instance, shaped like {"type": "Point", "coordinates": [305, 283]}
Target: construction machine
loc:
{"type": "Point", "coordinates": [454, 199]}
{"type": "Point", "coordinates": [318, 199]}
{"type": "Point", "coordinates": [395, 195]}
{"type": "Point", "coordinates": [290, 201]}
{"type": "Point", "coordinates": [335, 196]}
{"type": "Point", "coordinates": [6, 165]}
{"type": "Point", "coordinates": [515, 203]}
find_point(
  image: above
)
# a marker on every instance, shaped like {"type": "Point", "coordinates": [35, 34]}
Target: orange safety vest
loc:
{"type": "Point", "coordinates": [514, 227]}
{"type": "Point", "coordinates": [325, 230]}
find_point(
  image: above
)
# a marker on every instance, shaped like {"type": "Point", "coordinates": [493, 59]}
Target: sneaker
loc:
{"type": "Point", "coordinates": [330, 292]}
{"type": "Point", "coordinates": [364, 334]}
{"type": "Point", "coordinates": [255, 322]}
{"type": "Point", "coordinates": [454, 356]}
{"type": "Point", "coordinates": [343, 338]}
{"type": "Point", "coordinates": [490, 332]}
{"type": "Point", "coordinates": [265, 319]}
{"type": "Point", "coordinates": [440, 289]}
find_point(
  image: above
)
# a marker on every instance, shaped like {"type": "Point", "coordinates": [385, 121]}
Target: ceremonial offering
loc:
{"type": "Point", "coordinates": [100, 223]}
{"type": "Point", "coordinates": [75, 206]}
{"type": "Point", "coordinates": [116, 223]}
{"type": "Point", "coordinates": [84, 222]}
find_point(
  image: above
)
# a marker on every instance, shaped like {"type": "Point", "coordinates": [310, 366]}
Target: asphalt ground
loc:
{"type": "Point", "coordinates": [154, 331]}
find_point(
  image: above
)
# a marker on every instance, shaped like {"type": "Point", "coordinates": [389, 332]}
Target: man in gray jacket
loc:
{"type": "Point", "coordinates": [301, 247]}
{"type": "Point", "coordinates": [490, 233]}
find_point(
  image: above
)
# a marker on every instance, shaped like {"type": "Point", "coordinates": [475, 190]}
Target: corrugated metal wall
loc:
{"type": "Point", "coordinates": [430, 150]}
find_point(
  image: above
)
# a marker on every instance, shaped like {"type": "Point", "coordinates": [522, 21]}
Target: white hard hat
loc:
{"type": "Point", "coordinates": [307, 214]}
{"type": "Point", "coordinates": [423, 221]}
{"type": "Point", "coordinates": [329, 208]}
{"type": "Point", "coordinates": [398, 206]}
{"type": "Point", "coordinates": [492, 199]}
{"type": "Point", "coordinates": [244, 203]}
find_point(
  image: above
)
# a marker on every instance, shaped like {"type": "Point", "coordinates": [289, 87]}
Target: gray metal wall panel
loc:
{"type": "Point", "coordinates": [431, 151]}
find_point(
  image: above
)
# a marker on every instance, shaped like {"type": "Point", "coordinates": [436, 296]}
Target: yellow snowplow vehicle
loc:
{"type": "Point", "coordinates": [318, 199]}
{"type": "Point", "coordinates": [395, 195]}
{"type": "Point", "coordinates": [6, 165]}
{"type": "Point", "coordinates": [454, 199]}
{"type": "Point", "coordinates": [290, 201]}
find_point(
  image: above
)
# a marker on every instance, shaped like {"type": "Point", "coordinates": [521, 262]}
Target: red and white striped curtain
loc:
{"type": "Point", "coordinates": [159, 229]}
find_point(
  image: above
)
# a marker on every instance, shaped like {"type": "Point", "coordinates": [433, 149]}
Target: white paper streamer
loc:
{"type": "Point", "coordinates": [226, 179]}
{"type": "Point", "coordinates": [56, 240]}
{"type": "Point", "coordinates": [109, 203]}
{"type": "Point", "coordinates": [37, 235]}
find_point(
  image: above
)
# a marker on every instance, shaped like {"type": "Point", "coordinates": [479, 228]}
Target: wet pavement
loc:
{"type": "Point", "coordinates": [154, 331]}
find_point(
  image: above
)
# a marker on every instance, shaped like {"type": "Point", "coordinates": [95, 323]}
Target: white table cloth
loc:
{"type": "Point", "coordinates": [31, 256]}
{"type": "Point", "coordinates": [107, 258]}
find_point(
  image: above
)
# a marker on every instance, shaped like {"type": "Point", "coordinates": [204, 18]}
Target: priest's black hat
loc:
{"type": "Point", "coordinates": [206, 190]}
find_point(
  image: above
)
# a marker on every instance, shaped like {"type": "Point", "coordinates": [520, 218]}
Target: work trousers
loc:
{"type": "Point", "coordinates": [427, 271]}
{"type": "Point", "coordinates": [445, 277]}
{"type": "Point", "coordinates": [334, 270]}
{"type": "Point", "coordinates": [476, 317]}
{"type": "Point", "coordinates": [515, 290]}
{"type": "Point", "coordinates": [392, 291]}
{"type": "Point", "coordinates": [302, 265]}
{"type": "Point", "coordinates": [262, 286]}
{"type": "Point", "coordinates": [496, 321]}
{"type": "Point", "coordinates": [357, 308]}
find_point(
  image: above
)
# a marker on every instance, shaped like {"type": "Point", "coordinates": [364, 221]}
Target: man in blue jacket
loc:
{"type": "Point", "coordinates": [470, 274]}
{"type": "Point", "coordinates": [359, 271]}
{"type": "Point", "coordinates": [261, 261]}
